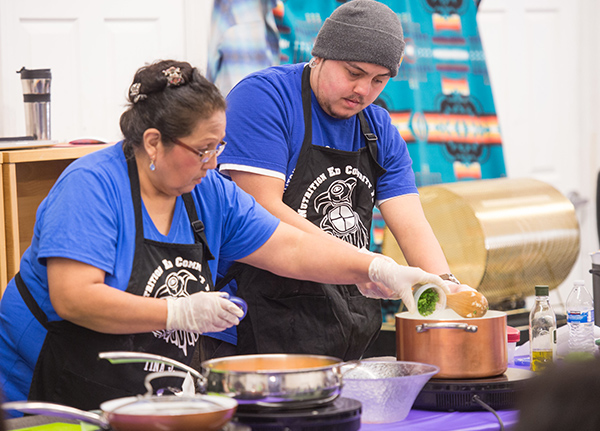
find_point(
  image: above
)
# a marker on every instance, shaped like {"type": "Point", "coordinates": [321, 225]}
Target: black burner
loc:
{"type": "Point", "coordinates": [498, 392]}
{"type": "Point", "coordinates": [343, 414]}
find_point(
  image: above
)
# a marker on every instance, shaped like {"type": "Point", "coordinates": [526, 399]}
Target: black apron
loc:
{"type": "Point", "coordinates": [68, 370]}
{"type": "Point", "coordinates": [335, 190]}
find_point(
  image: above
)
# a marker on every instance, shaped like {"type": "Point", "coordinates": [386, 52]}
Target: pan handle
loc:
{"type": "Point", "coordinates": [447, 325]}
{"type": "Point", "coordinates": [51, 409]}
{"type": "Point", "coordinates": [119, 357]}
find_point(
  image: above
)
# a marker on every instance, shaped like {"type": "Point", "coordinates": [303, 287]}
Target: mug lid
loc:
{"type": "Point", "coordinates": [35, 73]}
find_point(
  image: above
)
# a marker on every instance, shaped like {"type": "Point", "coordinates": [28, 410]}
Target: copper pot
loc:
{"type": "Point", "coordinates": [462, 348]}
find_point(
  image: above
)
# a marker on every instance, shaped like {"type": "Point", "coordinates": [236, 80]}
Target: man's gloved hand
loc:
{"type": "Point", "coordinates": [455, 288]}
{"type": "Point", "coordinates": [202, 312]}
{"type": "Point", "coordinates": [387, 274]}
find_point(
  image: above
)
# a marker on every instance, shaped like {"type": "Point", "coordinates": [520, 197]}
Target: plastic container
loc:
{"type": "Point", "coordinates": [387, 390]}
{"type": "Point", "coordinates": [513, 335]}
{"type": "Point", "coordinates": [542, 331]}
{"type": "Point", "coordinates": [580, 318]}
{"type": "Point", "coordinates": [440, 305]}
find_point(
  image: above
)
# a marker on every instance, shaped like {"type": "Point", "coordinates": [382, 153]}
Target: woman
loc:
{"type": "Point", "coordinates": [126, 244]}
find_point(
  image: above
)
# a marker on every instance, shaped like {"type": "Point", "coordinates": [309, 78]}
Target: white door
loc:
{"type": "Point", "coordinates": [93, 49]}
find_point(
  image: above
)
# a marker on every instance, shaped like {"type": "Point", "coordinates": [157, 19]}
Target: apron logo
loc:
{"type": "Point", "coordinates": [340, 220]}
{"type": "Point", "coordinates": [175, 285]}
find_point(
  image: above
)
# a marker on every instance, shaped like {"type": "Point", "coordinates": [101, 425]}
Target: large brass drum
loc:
{"type": "Point", "coordinates": [501, 236]}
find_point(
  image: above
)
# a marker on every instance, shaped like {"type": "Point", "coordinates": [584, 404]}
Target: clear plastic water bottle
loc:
{"type": "Point", "coordinates": [580, 318]}
{"type": "Point", "coordinates": [542, 331]}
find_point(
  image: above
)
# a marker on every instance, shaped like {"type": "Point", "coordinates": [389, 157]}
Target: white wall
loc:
{"type": "Point", "coordinates": [542, 58]}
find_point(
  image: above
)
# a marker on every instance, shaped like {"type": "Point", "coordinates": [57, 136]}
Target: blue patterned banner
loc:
{"type": "Point", "coordinates": [441, 101]}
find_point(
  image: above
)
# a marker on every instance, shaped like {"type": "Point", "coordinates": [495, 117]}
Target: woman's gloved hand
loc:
{"type": "Point", "coordinates": [376, 290]}
{"type": "Point", "coordinates": [202, 312]}
{"type": "Point", "coordinates": [390, 276]}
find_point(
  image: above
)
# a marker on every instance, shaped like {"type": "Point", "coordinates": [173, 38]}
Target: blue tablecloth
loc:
{"type": "Point", "coordinates": [448, 421]}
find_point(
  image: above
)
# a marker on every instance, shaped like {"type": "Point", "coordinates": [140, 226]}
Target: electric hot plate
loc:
{"type": "Point", "coordinates": [499, 393]}
{"type": "Point", "coordinates": [343, 414]}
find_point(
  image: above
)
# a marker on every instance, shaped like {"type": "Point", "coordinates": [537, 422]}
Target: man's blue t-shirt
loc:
{"type": "Point", "coordinates": [265, 130]}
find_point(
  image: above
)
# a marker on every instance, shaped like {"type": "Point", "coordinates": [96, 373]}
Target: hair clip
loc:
{"type": "Point", "coordinates": [134, 92]}
{"type": "Point", "coordinates": [174, 76]}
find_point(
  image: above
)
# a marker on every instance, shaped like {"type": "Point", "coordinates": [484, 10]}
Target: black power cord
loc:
{"type": "Point", "coordinates": [489, 409]}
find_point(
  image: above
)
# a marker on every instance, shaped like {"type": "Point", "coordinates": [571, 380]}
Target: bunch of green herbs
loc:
{"type": "Point", "coordinates": [427, 301]}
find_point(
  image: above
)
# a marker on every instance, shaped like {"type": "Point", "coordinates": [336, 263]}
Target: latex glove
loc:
{"type": "Point", "coordinates": [376, 290]}
{"type": "Point", "coordinates": [202, 312]}
{"type": "Point", "coordinates": [455, 288]}
{"type": "Point", "coordinates": [401, 279]}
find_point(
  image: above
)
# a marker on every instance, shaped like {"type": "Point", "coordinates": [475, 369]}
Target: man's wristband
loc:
{"type": "Point", "coordinates": [449, 277]}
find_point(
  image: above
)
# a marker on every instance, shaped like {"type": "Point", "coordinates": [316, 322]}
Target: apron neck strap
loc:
{"type": "Point", "coordinates": [306, 106]}
{"type": "Point", "coordinates": [197, 225]}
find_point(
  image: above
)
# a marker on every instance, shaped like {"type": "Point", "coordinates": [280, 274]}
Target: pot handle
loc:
{"type": "Point", "coordinates": [125, 357]}
{"type": "Point", "coordinates": [51, 409]}
{"type": "Point", "coordinates": [447, 325]}
{"type": "Point", "coordinates": [157, 375]}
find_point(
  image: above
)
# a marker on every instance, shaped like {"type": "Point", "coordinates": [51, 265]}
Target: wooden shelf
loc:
{"type": "Point", "coordinates": [27, 176]}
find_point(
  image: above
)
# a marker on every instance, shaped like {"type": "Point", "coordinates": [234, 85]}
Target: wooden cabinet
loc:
{"type": "Point", "coordinates": [3, 269]}
{"type": "Point", "coordinates": [27, 177]}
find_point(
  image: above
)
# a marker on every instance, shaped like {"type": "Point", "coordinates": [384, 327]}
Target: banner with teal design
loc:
{"type": "Point", "coordinates": [441, 100]}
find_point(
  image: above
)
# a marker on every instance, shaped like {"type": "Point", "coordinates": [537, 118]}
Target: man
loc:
{"type": "Point", "coordinates": [309, 145]}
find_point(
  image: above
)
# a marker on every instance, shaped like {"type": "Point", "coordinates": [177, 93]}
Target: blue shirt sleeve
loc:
{"type": "Point", "coordinates": [262, 122]}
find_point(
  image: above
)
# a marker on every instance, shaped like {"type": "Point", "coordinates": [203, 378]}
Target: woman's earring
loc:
{"type": "Point", "coordinates": [312, 63]}
{"type": "Point", "coordinates": [152, 167]}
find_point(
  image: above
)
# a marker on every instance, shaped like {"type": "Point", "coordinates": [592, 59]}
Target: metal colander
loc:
{"type": "Point", "coordinates": [501, 236]}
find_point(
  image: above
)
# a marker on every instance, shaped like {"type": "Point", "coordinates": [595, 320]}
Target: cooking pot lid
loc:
{"type": "Point", "coordinates": [168, 405]}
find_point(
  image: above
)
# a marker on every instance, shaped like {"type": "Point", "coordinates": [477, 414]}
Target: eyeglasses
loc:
{"type": "Point", "coordinates": [205, 155]}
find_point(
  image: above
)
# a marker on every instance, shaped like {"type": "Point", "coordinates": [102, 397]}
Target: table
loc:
{"type": "Point", "coordinates": [422, 420]}
{"type": "Point", "coordinates": [27, 175]}
{"type": "Point", "coordinates": [417, 420]}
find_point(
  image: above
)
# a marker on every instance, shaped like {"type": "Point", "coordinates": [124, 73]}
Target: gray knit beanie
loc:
{"type": "Point", "coordinates": [362, 30]}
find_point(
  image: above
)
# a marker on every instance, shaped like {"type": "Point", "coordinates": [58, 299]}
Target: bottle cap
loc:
{"type": "Point", "coordinates": [513, 335]}
{"type": "Point", "coordinates": [541, 290]}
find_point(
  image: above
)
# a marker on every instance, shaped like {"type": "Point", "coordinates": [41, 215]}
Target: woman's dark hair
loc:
{"type": "Point", "coordinates": [172, 103]}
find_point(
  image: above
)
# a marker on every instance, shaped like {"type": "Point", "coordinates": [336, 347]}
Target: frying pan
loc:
{"type": "Point", "coordinates": [266, 380]}
{"type": "Point", "coordinates": [147, 412]}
